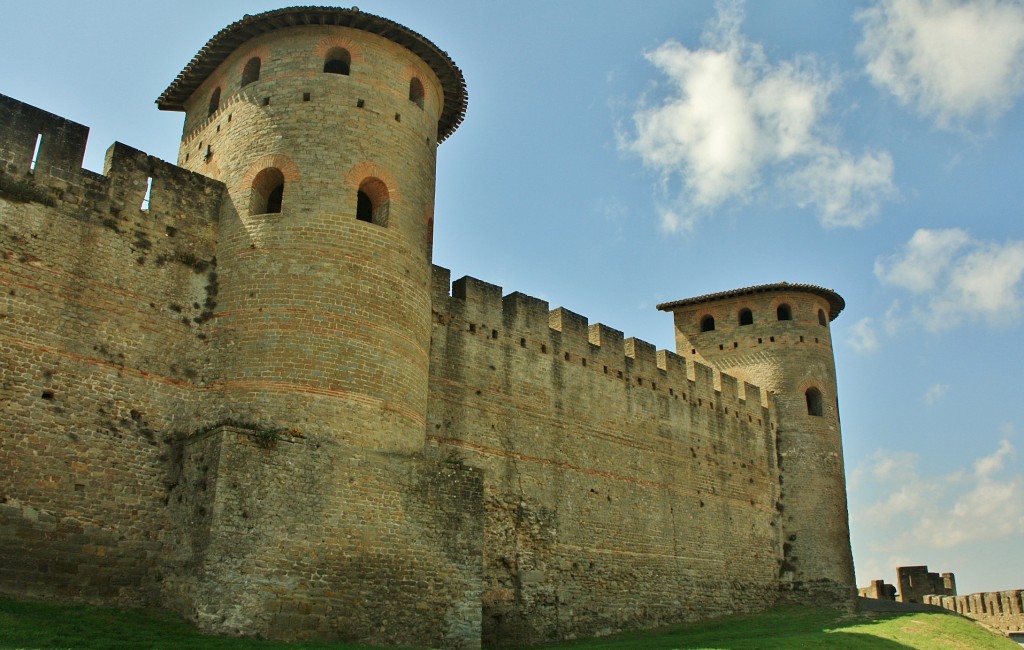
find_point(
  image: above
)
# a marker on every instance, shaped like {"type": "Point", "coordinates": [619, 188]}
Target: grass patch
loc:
{"type": "Point", "coordinates": [48, 626]}
{"type": "Point", "coordinates": [797, 628]}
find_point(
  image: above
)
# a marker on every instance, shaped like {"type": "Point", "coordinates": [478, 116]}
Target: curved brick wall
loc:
{"type": "Point", "coordinates": [787, 357]}
{"type": "Point", "coordinates": [323, 322]}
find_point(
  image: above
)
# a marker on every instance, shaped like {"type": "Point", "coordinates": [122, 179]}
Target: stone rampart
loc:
{"type": "Point", "coordinates": [916, 582]}
{"type": "Point", "coordinates": [298, 537]}
{"type": "Point", "coordinates": [123, 485]}
{"type": "Point", "coordinates": [104, 310]}
{"type": "Point", "coordinates": [622, 488]}
{"type": "Point", "coordinates": [549, 479]}
{"type": "Point", "coordinates": [1001, 610]}
{"type": "Point", "coordinates": [878, 590]}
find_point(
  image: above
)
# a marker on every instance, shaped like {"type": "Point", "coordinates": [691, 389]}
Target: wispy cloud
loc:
{"type": "Point", "coordinates": [935, 393]}
{"type": "Point", "coordinates": [918, 266]}
{"type": "Point", "coordinates": [847, 190]}
{"type": "Point", "coordinates": [948, 59]}
{"type": "Point", "coordinates": [955, 278]}
{"type": "Point", "coordinates": [864, 335]}
{"type": "Point", "coordinates": [732, 121]}
{"type": "Point", "coordinates": [917, 510]}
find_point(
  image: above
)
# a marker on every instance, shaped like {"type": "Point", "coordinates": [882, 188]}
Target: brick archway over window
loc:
{"type": "Point", "coordinates": [251, 71]}
{"type": "Point", "coordinates": [373, 202]}
{"type": "Point", "coordinates": [253, 193]}
{"type": "Point", "coordinates": [342, 50]}
{"type": "Point", "coordinates": [214, 101]}
{"type": "Point", "coordinates": [416, 92]}
{"type": "Point", "coordinates": [358, 174]}
{"type": "Point", "coordinates": [267, 192]}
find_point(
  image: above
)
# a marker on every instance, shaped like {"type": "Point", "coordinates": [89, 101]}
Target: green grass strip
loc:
{"type": "Point", "coordinates": [48, 626]}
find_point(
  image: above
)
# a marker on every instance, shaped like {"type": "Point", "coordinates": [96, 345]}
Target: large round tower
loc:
{"type": "Point", "coordinates": [777, 337]}
{"type": "Point", "coordinates": [323, 123]}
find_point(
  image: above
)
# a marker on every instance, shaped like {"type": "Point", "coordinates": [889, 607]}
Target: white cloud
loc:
{"type": "Point", "coordinates": [904, 501]}
{"type": "Point", "coordinates": [993, 506]}
{"type": "Point", "coordinates": [863, 336]}
{"type": "Point", "coordinates": [934, 393]}
{"type": "Point", "coordinates": [673, 221]}
{"type": "Point", "coordinates": [732, 120]}
{"type": "Point", "coordinates": [985, 467]}
{"type": "Point", "coordinates": [951, 60]}
{"type": "Point", "coordinates": [892, 322]}
{"type": "Point", "coordinates": [891, 468]}
{"type": "Point", "coordinates": [925, 256]}
{"type": "Point", "coordinates": [916, 512]}
{"type": "Point", "coordinates": [847, 191]}
{"type": "Point", "coordinates": [986, 282]}
{"type": "Point", "coordinates": [888, 465]}
{"type": "Point", "coordinates": [955, 278]}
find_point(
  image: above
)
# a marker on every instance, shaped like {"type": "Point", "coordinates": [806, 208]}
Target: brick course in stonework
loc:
{"type": "Point", "coordinates": [237, 388]}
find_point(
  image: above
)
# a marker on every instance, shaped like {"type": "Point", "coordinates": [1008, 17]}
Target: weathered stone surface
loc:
{"type": "Point", "coordinates": [1001, 610]}
{"type": "Point", "coordinates": [281, 419]}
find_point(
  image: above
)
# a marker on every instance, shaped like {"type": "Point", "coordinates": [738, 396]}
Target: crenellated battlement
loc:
{"type": "Point", "coordinates": [59, 152]}
{"type": "Point", "coordinates": [41, 158]}
{"type": "Point", "coordinates": [520, 321]}
{"type": "Point", "coordinates": [1003, 610]}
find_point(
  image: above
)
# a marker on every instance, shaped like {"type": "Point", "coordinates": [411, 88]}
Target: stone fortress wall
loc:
{"type": "Point", "coordinates": [281, 419]}
{"type": "Point", "coordinates": [915, 582]}
{"type": "Point", "coordinates": [124, 481]}
{"type": "Point", "coordinates": [613, 473]}
{"type": "Point", "coordinates": [1000, 610]}
{"type": "Point", "coordinates": [104, 344]}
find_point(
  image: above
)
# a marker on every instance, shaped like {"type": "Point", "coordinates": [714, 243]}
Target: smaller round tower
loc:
{"type": "Point", "coordinates": [777, 336]}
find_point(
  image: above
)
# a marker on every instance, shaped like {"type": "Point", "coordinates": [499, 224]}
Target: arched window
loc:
{"type": "Point", "coordinates": [783, 312]}
{"type": "Point", "coordinates": [338, 61]}
{"type": "Point", "coordinates": [814, 407]}
{"type": "Point", "coordinates": [251, 71]}
{"type": "Point", "coordinates": [822, 319]}
{"type": "Point", "coordinates": [707, 324]}
{"type": "Point", "coordinates": [214, 102]}
{"type": "Point", "coordinates": [267, 191]}
{"type": "Point", "coordinates": [373, 202]}
{"type": "Point", "coordinates": [416, 92]}
{"type": "Point", "coordinates": [746, 317]}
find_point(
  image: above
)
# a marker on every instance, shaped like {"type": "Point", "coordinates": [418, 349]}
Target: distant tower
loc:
{"type": "Point", "coordinates": [777, 336]}
{"type": "Point", "coordinates": [324, 125]}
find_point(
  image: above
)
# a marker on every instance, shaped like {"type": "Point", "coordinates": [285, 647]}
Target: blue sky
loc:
{"type": "Point", "coordinates": [616, 156]}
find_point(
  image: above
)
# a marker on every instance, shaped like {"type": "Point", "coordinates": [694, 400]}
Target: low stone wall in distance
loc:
{"type": "Point", "coordinates": [1002, 610]}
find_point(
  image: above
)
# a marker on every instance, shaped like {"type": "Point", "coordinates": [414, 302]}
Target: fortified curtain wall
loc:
{"type": "Point", "coordinates": [105, 309]}
{"type": "Point", "coordinates": [124, 484]}
{"type": "Point", "coordinates": [624, 487]}
{"type": "Point", "coordinates": [1002, 610]}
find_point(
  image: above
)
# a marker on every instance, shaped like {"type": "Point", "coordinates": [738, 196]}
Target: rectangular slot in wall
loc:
{"type": "Point", "coordinates": [149, 194]}
{"type": "Point", "coordinates": [35, 152]}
